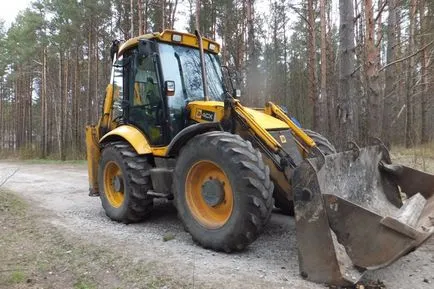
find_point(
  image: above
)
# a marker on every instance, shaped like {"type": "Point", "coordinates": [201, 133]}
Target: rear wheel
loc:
{"type": "Point", "coordinates": [223, 191]}
{"type": "Point", "coordinates": [325, 146]}
{"type": "Point", "coordinates": [124, 180]}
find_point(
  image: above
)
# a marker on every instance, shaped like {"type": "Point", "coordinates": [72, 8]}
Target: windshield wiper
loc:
{"type": "Point", "coordinates": [181, 71]}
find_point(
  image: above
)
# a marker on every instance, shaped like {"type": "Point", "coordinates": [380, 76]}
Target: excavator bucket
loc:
{"type": "Point", "coordinates": [350, 216]}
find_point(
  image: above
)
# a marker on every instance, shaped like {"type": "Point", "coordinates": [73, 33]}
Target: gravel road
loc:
{"type": "Point", "coordinates": [270, 262]}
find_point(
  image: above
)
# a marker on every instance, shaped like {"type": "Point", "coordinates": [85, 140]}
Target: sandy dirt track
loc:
{"type": "Point", "coordinates": [270, 262]}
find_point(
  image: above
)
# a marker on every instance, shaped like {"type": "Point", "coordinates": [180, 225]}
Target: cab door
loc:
{"type": "Point", "coordinates": [146, 106]}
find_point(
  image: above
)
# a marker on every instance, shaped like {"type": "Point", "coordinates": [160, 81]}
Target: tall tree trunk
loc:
{"type": "Point", "coordinates": [322, 121]}
{"type": "Point", "coordinates": [251, 65]}
{"type": "Point", "coordinates": [389, 97]}
{"type": "Point", "coordinates": [347, 121]}
{"type": "Point", "coordinates": [19, 120]}
{"type": "Point", "coordinates": [77, 126]}
{"type": "Point", "coordinates": [145, 21]}
{"type": "Point", "coordinates": [197, 18]}
{"type": "Point", "coordinates": [360, 80]}
{"type": "Point", "coordinates": [131, 18]}
{"type": "Point", "coordinates": [74, 84]}
{"type": "Point", "coordinates": [96, 80]}
{"type": "Point", "coordinates": [331, 79]}
{"type": "Point", "coordinates": [61, 114]}
{"type": "Point", "coordinates": [29, 88]}
{"type": "Point", "coordinates": [312, 92]}
{"type": "Point", "coordinates": [172, 16]}
{"type": "Point", "coordinates": [140, 12]}
{"type": "Point", "coordinates": [409, 130]}
{"type": "Point", "coordinates": [50, 115]}
{"type": "Point", "coordinates": [371, 70]}
{"type": "Point", "coordinates": [425, 134]}
{"type": "Point", "coordinates": [64, 107]}
{"type": "Point", "coordinates": [44, 105]}
{"type": "Point", "coordinates": [163, 14]}
{"type": "Point", "coordinates": [89, 74]}
{"type": "Point", "coordinates": [285, 61]}
{"type": "Point", "coordinates": [2, 117]}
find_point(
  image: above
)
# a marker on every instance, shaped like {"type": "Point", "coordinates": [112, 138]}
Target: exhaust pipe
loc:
{"type": "Point", "coordinates": [202, 64]}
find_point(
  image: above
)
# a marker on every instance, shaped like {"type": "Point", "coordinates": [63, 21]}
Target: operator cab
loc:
{"type": "Point", "coordinates": [154, 78]}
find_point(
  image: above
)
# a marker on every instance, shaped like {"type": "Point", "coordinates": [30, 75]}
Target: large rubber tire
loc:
{"type": "Point", "coordinates": [135, 205]}
{"type": "Point", "coordinates": [250, 184]}
{"type": "Point", "coordinates": [324, 145]}
{"type": "Point", "coordinates": [287, 206]}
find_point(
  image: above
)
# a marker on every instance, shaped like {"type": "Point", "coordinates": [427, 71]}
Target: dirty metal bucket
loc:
{"type": "Point", "coordinates": [350, 216]}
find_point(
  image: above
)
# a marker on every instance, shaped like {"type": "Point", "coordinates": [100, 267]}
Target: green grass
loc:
{"type": "Point", "coordinates": [34, 155]}
{"type": "Point", "coordinates": [11, 203]}
{"type": "Point", "coordinates": [51, 161]}
{"type": "Point", "coordinates": [84, 285]}
{"type": "Point", "coordinates": [425, 150]}
{"type": "Point", "coordinates": [17, 277]}
{"type": "Point", "coordinates": [168, 237]}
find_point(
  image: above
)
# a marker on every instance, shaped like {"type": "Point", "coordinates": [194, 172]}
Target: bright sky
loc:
{"type": "Point", "coordinates": [9, 10]}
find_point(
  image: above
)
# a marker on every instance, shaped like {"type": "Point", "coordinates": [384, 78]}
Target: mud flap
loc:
{"type": "Point", "coordinates": [350, 217]}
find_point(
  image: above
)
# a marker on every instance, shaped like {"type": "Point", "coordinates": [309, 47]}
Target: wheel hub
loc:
{"type": "Point", "coordinates": [118, 184]}
{"type": "Point", "coordinates": [213, 192]}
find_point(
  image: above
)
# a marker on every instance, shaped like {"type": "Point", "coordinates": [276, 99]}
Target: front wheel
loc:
{"type": "Point", "coordinates": [124, 181]}
{"type": "Point", "coordinates": [223, 191]}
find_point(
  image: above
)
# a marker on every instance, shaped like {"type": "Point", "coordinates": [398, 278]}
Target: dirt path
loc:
{"type": "Point", "coordinates": [270, 262]}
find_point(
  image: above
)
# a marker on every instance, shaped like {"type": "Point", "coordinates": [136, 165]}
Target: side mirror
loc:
{"type": "Point", "coordinates": [169, 86]}
{"type": "Point", "coordinates": [237, 93]}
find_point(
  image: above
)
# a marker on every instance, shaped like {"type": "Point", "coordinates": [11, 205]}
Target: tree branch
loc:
{"type": "Point", "coordinates": [357, 18]}
{"type": "Point", "coordinates": [407, 57]}
{"type": "Point", "coordinates": [379, 40]}
{"type": "Point", "coordinates": [299, 14]}
{"type": "Point", "coordinates": [380, 11]}
{"type": "Point", "coordinates": [8, 177]}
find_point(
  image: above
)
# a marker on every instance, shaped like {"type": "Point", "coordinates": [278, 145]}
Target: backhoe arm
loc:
{"type": "Point", "coordinates": [276, 111]}
{"type": "Point", "coordinates": [258, 130]}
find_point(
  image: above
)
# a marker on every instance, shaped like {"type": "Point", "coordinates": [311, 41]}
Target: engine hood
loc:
{"type": "Point", "coordinates": [206, 111]}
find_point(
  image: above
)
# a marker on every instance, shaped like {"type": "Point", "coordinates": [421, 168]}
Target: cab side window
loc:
{"type": "Point", "coordinates": [118, 89]}
{"type": "Point", "coordinates": [146, 89]}
{"type": "Point", "coordinates": [146, 108]}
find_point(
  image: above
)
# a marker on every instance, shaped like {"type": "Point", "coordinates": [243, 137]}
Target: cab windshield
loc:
{"type": "Point", "coordinates": [182, 65]}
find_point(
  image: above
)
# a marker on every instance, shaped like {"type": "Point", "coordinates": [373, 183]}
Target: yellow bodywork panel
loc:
{"type": "Point", "coordinates": [206, 111]}
{"type": "Point", "coordinates": [93, 156]}
{"type": "Point", "coordinates": [266, 121]}
{"type": "Point", "coordinates": [133, 136]}
{"type": "Point", "coordinates": [110, 94]}
{"type": "Point", "coordinates": [257, 127]}
{"type": "Point", "coordinates": [187, 39]}
{"type": "Point", "coordinates": [259, 121]}
{"type": "Point", "coordinates": [273, 109]}
{"type": "Point", "coordinates": [159, 151]}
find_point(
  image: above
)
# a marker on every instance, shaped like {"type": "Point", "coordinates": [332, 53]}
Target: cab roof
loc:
{"type": "Point", "coordinates": [174, 37]}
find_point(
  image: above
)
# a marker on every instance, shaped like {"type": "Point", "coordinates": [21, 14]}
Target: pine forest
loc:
{"type": "Point", "coordinates": [349, 69]}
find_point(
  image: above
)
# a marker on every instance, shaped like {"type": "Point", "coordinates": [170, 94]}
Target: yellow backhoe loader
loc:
{"type": "Point", "coordinates": [171, 129]}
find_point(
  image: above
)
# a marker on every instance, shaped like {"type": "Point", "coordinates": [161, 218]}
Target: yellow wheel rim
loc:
{"type": "Point", "coordinates": [209, 194]}
{"type": "Point", "coordinates": [114, 184]}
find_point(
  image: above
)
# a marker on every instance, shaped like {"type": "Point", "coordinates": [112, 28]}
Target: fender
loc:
{"type": "Point", "coordinates": [187, 133]}
{"type": "Point", "coordinates": [132, 135]}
